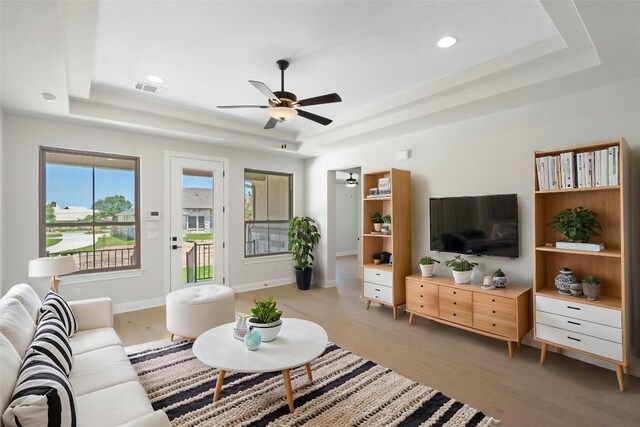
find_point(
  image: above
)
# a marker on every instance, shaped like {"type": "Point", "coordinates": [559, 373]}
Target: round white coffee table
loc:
{"type": "Point", "coordinates": [298, 343]}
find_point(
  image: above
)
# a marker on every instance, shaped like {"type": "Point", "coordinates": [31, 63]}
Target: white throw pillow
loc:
{"type": "Point", "coordinates": [16, 324]}
{"type": "Point", "coordinates": [27, 297]}
{"type": "Point", "coordinates": [9, 369]}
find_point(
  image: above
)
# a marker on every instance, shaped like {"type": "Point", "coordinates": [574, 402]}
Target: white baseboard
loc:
{"type": "Point", "coordinates": [138, 305]}
{"type": "Point", "coordinates": [264, 284]}
{"type": "Point", "coordinates": [326, 284]}
{"type": "Point", "coordinates": [347, 253]}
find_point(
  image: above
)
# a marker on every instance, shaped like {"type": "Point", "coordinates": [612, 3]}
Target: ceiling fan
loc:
{"type": "Point", "coordinates": [284, 105]}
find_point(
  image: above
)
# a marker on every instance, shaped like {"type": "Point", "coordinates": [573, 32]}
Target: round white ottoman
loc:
{"type": "Point", "coordinates": [196, 309]}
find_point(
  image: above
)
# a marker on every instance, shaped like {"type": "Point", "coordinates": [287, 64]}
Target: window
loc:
{"type": "Point", "coordinates": [89, 209]}
{"type": "Point", "coordinates": [267, 211]}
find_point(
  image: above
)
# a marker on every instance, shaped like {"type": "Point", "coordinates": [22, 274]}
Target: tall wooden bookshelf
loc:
{"type": "Point", "coordinates": [601, 328]}
{"type": "Point", "coordinates": [385, 283]}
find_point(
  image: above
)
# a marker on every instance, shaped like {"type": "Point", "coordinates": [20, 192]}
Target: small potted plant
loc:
{"type": "Point", "coordinates": [386, 226]}
{"type": "Point", "coordinates": [499, 279]}
{"type": "Point", "coordinates": [461, 268]}
{"type": "Point", "coordinates": [377, 258]}
{"type": "Point", "coordinates": [377, 220]}
{"type": "Point", "coordinates": [427, 265]}
{"type": "Point", "coordinates": [591, 288]}
{"type": "Point", "coordinates": [265, 318]}
{"type": "Point", "coordinates": [577, 225]}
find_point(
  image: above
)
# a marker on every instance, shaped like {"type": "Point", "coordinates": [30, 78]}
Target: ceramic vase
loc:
{"type": "Point", "coordinates": [462, 277]}
{"type": "Point", "coordinates": [268, 331]}
{"type": "Point", "coordinates": [564, 280]}
{"type": "Point", "coordinates": [427, 269]}
{"type": "Point", "coordinates": [252, 339]}
{"type": "Point", "coordinates": [576, 289]}
{"type": "Point", "coordinates": [500, 282]}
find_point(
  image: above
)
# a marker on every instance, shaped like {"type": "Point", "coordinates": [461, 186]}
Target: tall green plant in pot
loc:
{"type": "Point", "coordinates": [303, 238]}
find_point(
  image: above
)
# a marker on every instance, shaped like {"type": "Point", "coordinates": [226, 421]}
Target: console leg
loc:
{"type": "Point", "coordinates": [368, 304]}
{"type": "Point", "coordinates": [510, 347]}
{"type": "Point", "coordinates": [627, 369]}
{"type": "Point", "coordinates": [216, 394]}
{"type": "Point", "coordinates": [620, 377]}
{"type": "Point", "coordinates": [543, 352]}
{"type": "Point", "coordinates": [395, 313]}
{"type": "Point", "coordinates": [410, 318]}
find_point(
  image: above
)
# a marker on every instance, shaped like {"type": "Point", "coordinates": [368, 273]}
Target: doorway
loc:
{"type": "Point", "coordinates": [348, 200]}
{"type": "Point", "coordinates": [196, 222]}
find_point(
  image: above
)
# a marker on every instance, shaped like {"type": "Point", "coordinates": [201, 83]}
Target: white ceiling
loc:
{"type": "Point", "coordinates": [380, 56]}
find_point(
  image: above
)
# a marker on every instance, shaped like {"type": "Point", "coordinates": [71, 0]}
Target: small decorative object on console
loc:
{"type": "Point", "coordinates": [591, 288]}
{"type": "Point", "coordinates": [240, 328]}
{"type": "Point", "coordinates": [576, 289]}
{"type": "Point", "coordinates": [564, 280]}
{"type": "Point", "coordinates": [499, 279]}
{"type": "Point", "coordinates": [427, 265]}
{"type": "Point", "coordinates": [462, 269]}
{"type": "Point", "coordinates": [265, 318]}
{"type": "Point", "coordinates": [376, 258]}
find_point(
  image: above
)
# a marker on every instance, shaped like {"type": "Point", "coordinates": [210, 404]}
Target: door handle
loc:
{"type": "Point", "coordinates": [175, 246]}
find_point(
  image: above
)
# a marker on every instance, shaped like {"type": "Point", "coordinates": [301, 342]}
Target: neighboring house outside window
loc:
{"type": "Point", "coordinates": [89, 208]}
{"type": "Point", "coordinates": [196, 210]}
{"type": "Point", "coordinates": [268, 201]}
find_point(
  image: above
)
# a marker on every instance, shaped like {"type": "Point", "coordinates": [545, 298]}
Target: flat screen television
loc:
{"type": "Point", "coordinates": [478, 225]}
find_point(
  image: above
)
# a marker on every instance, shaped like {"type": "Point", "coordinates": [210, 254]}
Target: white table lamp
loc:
{"type": "Point", "coordinates": [56, 266]}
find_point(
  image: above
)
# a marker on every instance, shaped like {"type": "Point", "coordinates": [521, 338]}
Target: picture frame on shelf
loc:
{"type": "Point", "coordinates": [384, 186]}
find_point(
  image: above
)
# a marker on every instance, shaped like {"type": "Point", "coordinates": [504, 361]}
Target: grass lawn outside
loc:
{"type": "Point", "coordinates": [197, 236]}
{"type": "Point", "coordinates": [203, 271]}
{"type": "Point", "coordinates": [105, 242]}
{"type": "Point", "coordinates": [53, 241]}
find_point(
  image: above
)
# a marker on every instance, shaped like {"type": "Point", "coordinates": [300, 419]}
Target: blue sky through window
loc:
{"type": "Point", "coordinates": [189, 181]}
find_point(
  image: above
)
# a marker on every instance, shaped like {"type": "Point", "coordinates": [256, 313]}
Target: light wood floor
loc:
{"type": "Point", "coordinates": [462, 365]}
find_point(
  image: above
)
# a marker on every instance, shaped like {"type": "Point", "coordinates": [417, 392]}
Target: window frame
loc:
{"type": "Point", "coordinates": [245, 222]}
{"type": "Point", "coordinates": [42, 202]}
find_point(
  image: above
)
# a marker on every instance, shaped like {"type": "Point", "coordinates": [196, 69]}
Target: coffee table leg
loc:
{"type": "Point", "coordinates": [216, 394]}
{"type": "Point", "coordinates": [287, 388]}
{"type": "Point", "coordinates": [308, 366]}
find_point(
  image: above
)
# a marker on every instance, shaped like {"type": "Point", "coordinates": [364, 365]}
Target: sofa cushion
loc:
{"type": "Point", "coordinates": [100, 369]}
{"type": "Point", "coordinates": [27, 297]}
{"type": "Point", "coordinates": [93, 339]}
{"type": "Point", "coordinates": [10, 365]}
{"type": "Point", "coordinates": [42, 396]}
{"type": "Point", "coordinates": [16, 324]}
{"type": "Point", "coordinates": [56, 304]}
{"type": "Point", "coordinates": [51, 340]}
{"type": "Point", "coordinates": [113, 406]}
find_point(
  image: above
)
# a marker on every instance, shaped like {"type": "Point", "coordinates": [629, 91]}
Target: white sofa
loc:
{"type": "Point", "coordinates": [105, 385]}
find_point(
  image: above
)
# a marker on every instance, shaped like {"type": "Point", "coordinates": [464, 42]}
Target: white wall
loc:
{"type": "Point", "coordinates": [21, 142]}
{"type": "Point", "coordinates": [2, 172]}
{"type": "Point", "coordinates": [346, 230]}
{"type": "Point", "coordinates": [490, 155]}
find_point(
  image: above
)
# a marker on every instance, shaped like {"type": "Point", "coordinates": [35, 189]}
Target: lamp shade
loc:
{"type": "Point", "coordinates": [43, 267]}
{"type": "Point", "coordinates": [282, 113]}
{"type": "Point", "coordinates": [351, 181]}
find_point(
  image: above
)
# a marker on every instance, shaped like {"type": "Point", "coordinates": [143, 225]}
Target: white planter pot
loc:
{"type": "Point", "coordinates": [427, 269]}
{"type": "Point", "coordinates": [462, 277]}
{"type": "Point", "coordinates": [377, 226]}
{"type": "Point", "coordinates": [268, 331]}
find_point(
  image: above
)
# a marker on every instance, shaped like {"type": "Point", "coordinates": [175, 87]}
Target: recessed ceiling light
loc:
{"type": "Point", "coordinates": [447, 41]}
{"type": "Point", "coordinates": [155, 79]}
{"type": "Point", "coordinates": [49, 97]}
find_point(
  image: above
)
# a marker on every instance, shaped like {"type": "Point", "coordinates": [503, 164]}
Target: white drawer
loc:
{"type": "Point", "coordinates": [378, 292]}
{"type": "Point", "coordinates": [581, 326]}
{"type": "Point", "coordinates": [381, 277]}
{"type": "Point", "coordinates": [582, 342]}
{"type": "Point", "coordinates": [590, 313]}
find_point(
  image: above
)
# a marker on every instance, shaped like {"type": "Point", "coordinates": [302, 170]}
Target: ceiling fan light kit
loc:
{"type": "Point", "coordinates": [284, 105]}
{"type": "Point", "coordinates": [351, 181]}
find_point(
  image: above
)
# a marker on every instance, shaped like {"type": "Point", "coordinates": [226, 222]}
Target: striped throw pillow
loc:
{"type": "Point", "coordinates": [42, 396]}
{"type": "Point", "coordinates": [52, 341]}
{"type": "Point", "coordinates": [54, 303]}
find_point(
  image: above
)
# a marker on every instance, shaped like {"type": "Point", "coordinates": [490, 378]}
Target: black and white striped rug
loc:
{"type": "Point", "coordinates": [347, 390]}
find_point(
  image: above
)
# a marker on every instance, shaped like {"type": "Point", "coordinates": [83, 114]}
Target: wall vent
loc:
{"type": "Point", "coordinates": [145, 87]}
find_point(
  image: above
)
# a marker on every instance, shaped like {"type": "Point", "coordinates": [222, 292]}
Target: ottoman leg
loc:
{"type": "Point", "coordinates": [171, 339]}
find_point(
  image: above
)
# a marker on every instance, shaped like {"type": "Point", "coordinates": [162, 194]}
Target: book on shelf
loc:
{"type": "Point", "coordinates": [543, 175]}
{"type": "Point", "coordinates": [588, 169]}
{"type": "Point", "coordinates": [581, 171]}
{"type": "Point", "coordinates": [553, 173]}
{"type": "Point", "coordinates": [613, 165]}
{"type": "Point", "coordinates": [602, 168]}
{"type": "Point", "coordinates": [568, 166]}
{"type": "Point", "coordinates": [591, 247]}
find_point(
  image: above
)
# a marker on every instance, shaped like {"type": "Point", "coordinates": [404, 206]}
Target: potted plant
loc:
{"type": "Point", "coordinates": [427, 265]}
{"type": "Point", "coordinates": [265, 318]}
{"type": "Point", "coordinates": [499, 279]}
{"type": "Point", "coordinates": [461, 268]}
{"type": "Point", "coordinates": [386, 226]}
{"type": "Point", "coordinates": [377, 220]}
{"type": "Point", "coordinates": [591, 287]}
{"type": "Point", "coordinates": [577, 225]}
{"type": "Point", "coordinates": [303, 238]}
{"type": "Point", "coordinates": [377, 258]}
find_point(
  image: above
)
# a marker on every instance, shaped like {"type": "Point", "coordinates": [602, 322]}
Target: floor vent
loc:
{"type": "Point", "coordinates": [145, 87]}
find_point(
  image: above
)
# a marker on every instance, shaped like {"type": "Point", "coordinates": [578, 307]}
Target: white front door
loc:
{"type": "Point", "coordinates": [196, 222]}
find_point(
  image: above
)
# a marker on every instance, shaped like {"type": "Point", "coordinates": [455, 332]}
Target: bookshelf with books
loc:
{"type": "Point", "coordinates": [574, 322]}
{"type": "Point", "coordinates": [384, 283]}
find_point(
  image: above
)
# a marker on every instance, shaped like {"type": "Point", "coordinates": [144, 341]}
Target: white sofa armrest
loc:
{"type": "Point", "coordinates": [154, 419]}
{"type": "Point", "coordinates": [92, 313]}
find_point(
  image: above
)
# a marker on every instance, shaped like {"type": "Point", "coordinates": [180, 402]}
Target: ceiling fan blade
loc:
{"type": "Point", "coordinates": [323, 99]}
{"type": "Point", "coordinates": [314, 117]}
{"type": "Point", "coordinates": [264, 89]}
{"type": "Point", "coordinates": [271, 123]}
{"type": "Point", "coordinates": [243, 106]}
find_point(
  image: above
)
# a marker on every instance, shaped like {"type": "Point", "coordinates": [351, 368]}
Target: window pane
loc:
{"type": "Point", "coordinates": [278, 190]}
{"type": "Point", "coordinates": [93, 247]}
{"type": "Point", "coordinates": [69, 188]}
{"type": "Point", "coordinates": [115, 189]}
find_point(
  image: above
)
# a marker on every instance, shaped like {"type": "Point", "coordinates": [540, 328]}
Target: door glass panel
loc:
{"type": "Point", "coordinates": [197, 226]}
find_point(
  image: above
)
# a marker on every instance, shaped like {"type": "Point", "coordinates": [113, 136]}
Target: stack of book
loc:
{"type": "Point", "coordinates": [598, 168]}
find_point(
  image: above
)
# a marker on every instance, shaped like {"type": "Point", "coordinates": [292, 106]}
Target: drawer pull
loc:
{"type": "Point", "coordinates": [573, 323]}
{"type": "Point", "coordinates": [492, 300]}
{"type": "Point", "coordinates": [377, 289]}
{"type": "Point", "coordinates": [422, 286]}
{"type": "Point", "coordinates": [421, 306]}
{"type": "Point", "coordinates": [493, 311]}
{"type": "Point", "coordinates": [421, 296]}
{"type": "Point", "coordinates": [575, 339]}
{"type": "Point", "coordinates": [377, 274]}
{"type": "Point", "coordinates": [454, 314]}
{"type": "Point", "coordinates": [454, 292]}
{"type": "Point", "coordinates": [455, 303]}
{"type": "Point", "coordinates": [494, 324]}
{"type": "Point", "coordinates": [573, 308]}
